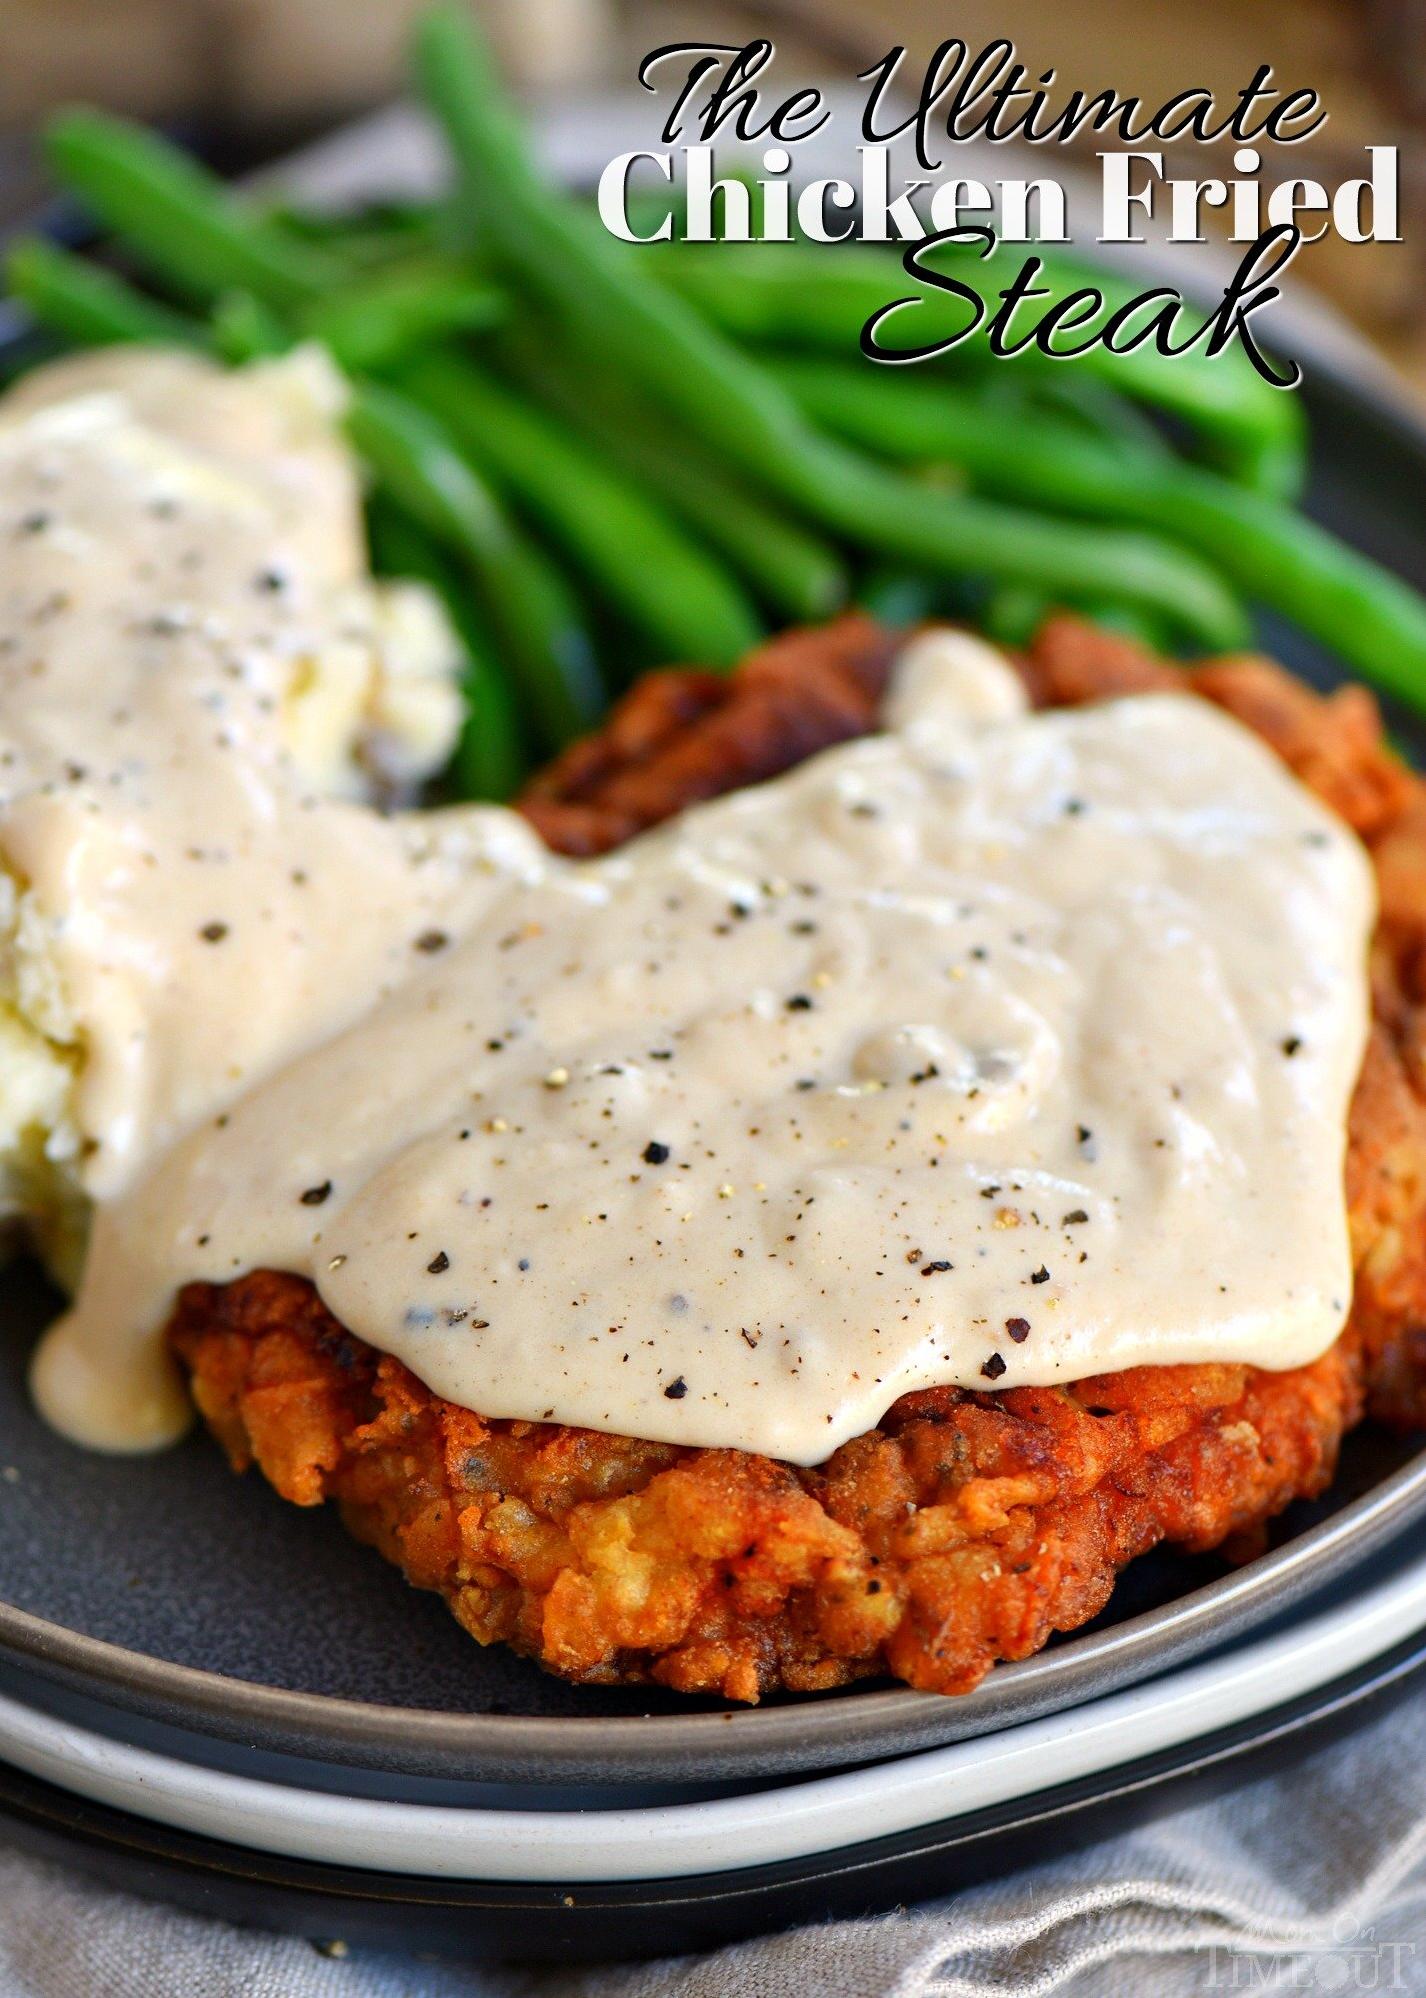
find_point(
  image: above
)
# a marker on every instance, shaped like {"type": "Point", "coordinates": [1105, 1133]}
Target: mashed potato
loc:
{"type": "Point", "coordinates": [202, 694]}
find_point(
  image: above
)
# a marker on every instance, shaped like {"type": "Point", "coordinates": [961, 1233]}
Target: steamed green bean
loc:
{"type": "Point", "coordinates": [668, 586]}
{"type": "Point", "coordinates": [180, 219]}
{"type": "Point", "coordinates": [84, 302]}
{"type": "Point", "coordinates": [789, 568]}
{"type": "Point", "coordinates": [1275, 556]}
{"type": "Point", "coordinates": [488, 762]}
{"type": "Point", "coordinates": [529, 605]}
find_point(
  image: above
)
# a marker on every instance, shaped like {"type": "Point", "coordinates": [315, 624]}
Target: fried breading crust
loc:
{"type": "Point", "coordinates": [967, 1527]}
{"type": "Point", "coordinates": [683, 735]}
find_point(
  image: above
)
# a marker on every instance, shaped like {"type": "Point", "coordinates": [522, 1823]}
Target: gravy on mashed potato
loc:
{"type": "Point", "coordinates": [201, 690]}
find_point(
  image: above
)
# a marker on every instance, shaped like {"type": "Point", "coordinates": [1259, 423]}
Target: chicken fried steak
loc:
{"type": "Point", "coordinates": [967, 1527]}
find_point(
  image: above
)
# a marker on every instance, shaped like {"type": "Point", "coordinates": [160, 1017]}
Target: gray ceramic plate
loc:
{"type": "Point", "coordinates": [164, 1593]}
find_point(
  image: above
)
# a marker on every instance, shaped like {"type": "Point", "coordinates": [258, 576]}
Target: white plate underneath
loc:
{"type": "Point", "coordinates": [760, 1827]}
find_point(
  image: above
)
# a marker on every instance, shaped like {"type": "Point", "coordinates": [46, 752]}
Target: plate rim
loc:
{"type": "Point", "coordinates": [470, 1920]}
{"type": "Point", "coordinates": [805, 1733]}
{"type": "Point", "coordinates": [756, 1827]}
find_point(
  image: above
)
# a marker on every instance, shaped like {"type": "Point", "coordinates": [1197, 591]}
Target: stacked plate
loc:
{"type": "Point", "coordinates": [208, 1695]}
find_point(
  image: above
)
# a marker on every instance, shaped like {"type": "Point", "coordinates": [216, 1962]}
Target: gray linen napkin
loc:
{"type": "Point", "coordinates": [1312, 1880]}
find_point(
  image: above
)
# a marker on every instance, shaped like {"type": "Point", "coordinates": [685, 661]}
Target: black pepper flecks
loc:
{"type": "Point", "coordinates": [676, 1390]}
{"type": "Point", "coordinates": [315, 1195]}
{"type": "Point", "coordinates": [1041, 1275]}
{"type": "Point", "coordinates": [440, 1261]}
{"type": "Point", "coordinates": [1291, 1045]}
{"type": "Point", "coordinates": [213, 932]}
{"type": "Point", "coordinates": [935, 1269]}
{"type": "Point", "coordinates": [1074, 1219]}
{"type": "Point", "coordinates": [800, 1002]}
{"type": "Point", "coordinates": [654, 1153]}
{"type": "Point", "coordinates": [431, 941]}
{"type": "Point", "coordinates": [994, 1367]}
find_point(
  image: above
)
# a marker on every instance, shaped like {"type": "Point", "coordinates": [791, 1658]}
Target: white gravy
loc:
{"type": "Point", "coordinates": [995, 1049]}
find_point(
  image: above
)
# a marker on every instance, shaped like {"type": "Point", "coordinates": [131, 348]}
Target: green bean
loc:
{"type": "Point", "coordinates": [1249, 429]}
{"type": "Point", "coordinates": [632, 555]}
{"type": "Point", "coordinates": [656, 339]}
{"type": "Point", "coordinates": [369, 329]}
{"type": "Point", "coordinates": [374, 322]}
{"type": "Point", "coordinates": [245, 330]}
{"type": "Point", "coordinates": [799, 295]}
{"type": "Point", "coordinates": [1370, 618]}
{"type": "Point", "coordinates": [1096, 409]}
{"type": "Point", "coordinates": [392, 226]}
{"type": "Point", "coordinates": [1013, 614]}
{"type": "Point", "coordinates": [87, 303]}
{"type": "Point", "coordinates": [180, 218]}
{"type": "Point", "coordinates": [790, 570]}
{"type": "Point", "coordinates": [488, 762]}
{"type": "Point", "coordinates": [529, 605]}
{"type": "Point", "coordinates": [559, 253]}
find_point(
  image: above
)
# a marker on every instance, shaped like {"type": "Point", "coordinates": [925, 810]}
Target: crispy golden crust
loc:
{"type": "Point", "coordinates": [967, 1527]}
{"type": "Point", "coordinates": [683, 734]}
